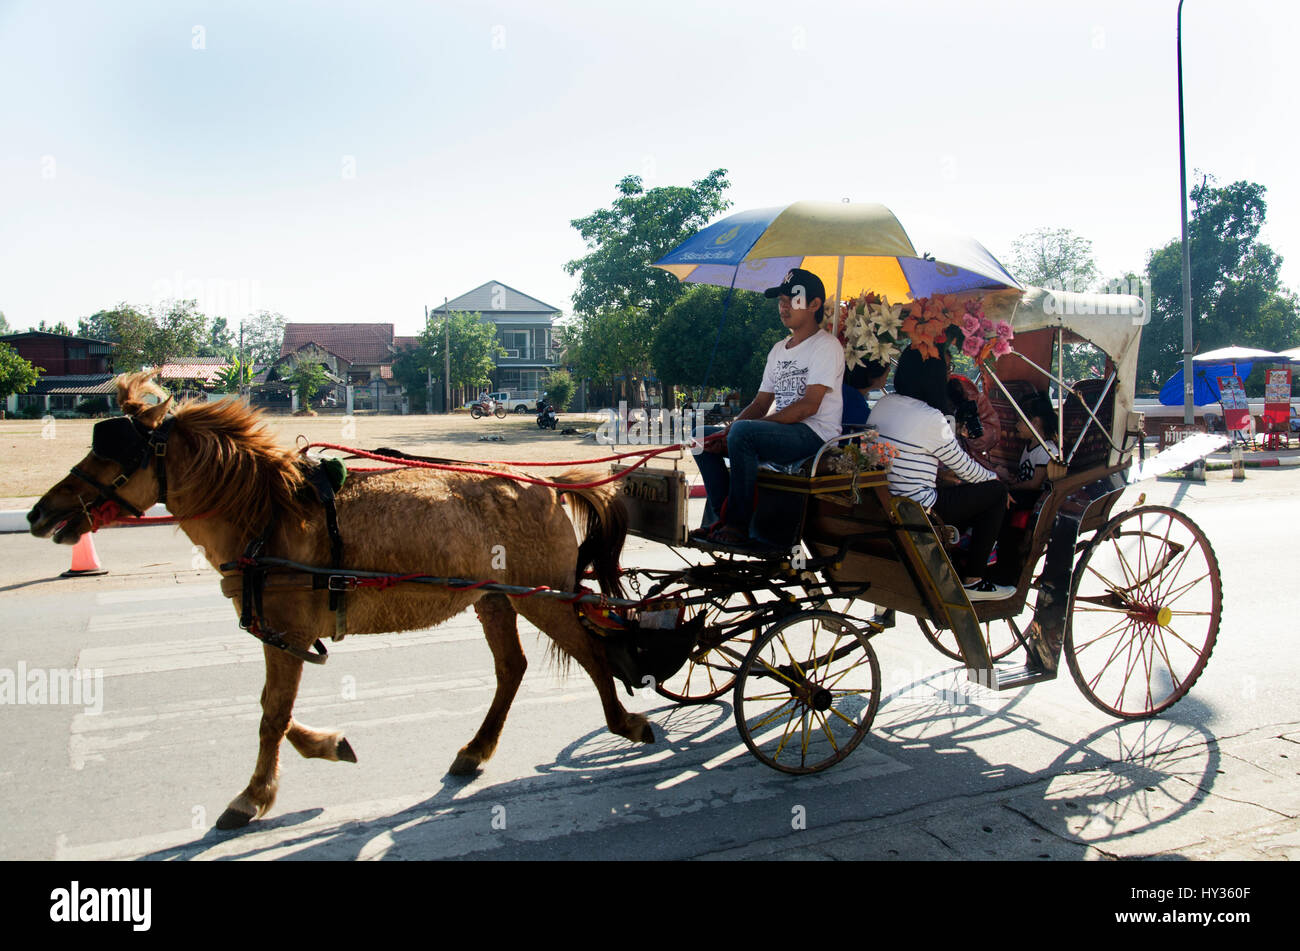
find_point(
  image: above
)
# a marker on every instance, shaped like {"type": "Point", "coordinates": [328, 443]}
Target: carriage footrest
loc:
{"type": "Point", "coordinates": [1010, 677]}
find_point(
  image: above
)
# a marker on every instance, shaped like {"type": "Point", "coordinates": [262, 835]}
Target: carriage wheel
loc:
{"type": "Point", "coordinates": [1144, 612]}
{"type": "Point", "coordinates": [999, 636]}
{"type": "Point", "coordinates": [709, 673]}
{"type": "Point", "coordinates": [807, 692]}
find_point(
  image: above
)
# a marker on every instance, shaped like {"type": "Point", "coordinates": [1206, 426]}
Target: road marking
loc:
{"type": "Point", "coordinates": [237, 647]}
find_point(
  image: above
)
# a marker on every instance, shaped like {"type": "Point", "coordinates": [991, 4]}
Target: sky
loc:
{"type": "Point", "coordinates": [359, 161]}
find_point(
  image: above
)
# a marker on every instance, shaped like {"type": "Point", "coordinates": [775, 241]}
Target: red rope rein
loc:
{"type": "Point", "coordinates": [645, 456]}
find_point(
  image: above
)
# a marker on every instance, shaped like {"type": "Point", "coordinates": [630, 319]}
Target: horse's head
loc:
{"type": "Point", "coordinates": [117, 475]}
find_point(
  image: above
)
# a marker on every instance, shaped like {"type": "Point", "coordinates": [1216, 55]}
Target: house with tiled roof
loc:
{"type": "Point", "coordinates": [524, 328]}
{"type": "Point", "coordinates": [74, 369]}
{"type": "Point", "coordinates": [359, 355]}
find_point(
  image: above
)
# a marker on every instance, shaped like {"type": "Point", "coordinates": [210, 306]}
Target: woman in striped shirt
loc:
{"type": "Point", "coordinates": [913, 419]}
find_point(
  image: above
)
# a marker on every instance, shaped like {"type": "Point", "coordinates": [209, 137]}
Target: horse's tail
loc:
{"type": "Point", "coordinates": [605, 527]}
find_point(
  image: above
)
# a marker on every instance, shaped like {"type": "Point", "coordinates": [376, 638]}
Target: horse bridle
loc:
{"type": "Point", "coordinates": [132, 446]}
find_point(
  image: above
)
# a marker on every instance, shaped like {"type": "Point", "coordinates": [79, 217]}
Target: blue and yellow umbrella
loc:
{"type": "Point", "coordinates": [853, 248]}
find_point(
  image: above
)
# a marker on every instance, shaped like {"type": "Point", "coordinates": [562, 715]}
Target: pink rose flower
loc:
{"type": "Point", "coordinates": [1001, 348]}
{"type": "Point", "coordinates": [971, 347]}
{"type": "Point", "coordinates": [986, 326]}
{"type": "Point", "coordinates": [970, 324]}
{"type": "Point", "coordinates": [1004, 330]}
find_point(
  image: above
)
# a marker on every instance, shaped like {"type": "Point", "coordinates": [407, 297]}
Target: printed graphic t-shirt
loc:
{"type": "Point", "coordinates": [818, 361]}
{"type": "Point", "coordinates": [1034, 456]}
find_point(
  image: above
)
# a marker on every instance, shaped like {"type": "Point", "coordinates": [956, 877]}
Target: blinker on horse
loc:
{"type": "Point", "coordinates": [226, 480]}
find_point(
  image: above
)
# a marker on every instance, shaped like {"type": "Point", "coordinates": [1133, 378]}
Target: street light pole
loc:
{"type": "Point", "coordinates": [1187, 253]}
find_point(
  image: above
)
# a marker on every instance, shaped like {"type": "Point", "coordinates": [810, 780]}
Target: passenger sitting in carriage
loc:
{"type": "Point", "coordinates": [1027, 484]}
{"type": "Point", "coordinates": [796, 409]}
{"type": "Point", "coordinates": [912, 419]}
{"type": "Point", "coordinates": [859, 382]}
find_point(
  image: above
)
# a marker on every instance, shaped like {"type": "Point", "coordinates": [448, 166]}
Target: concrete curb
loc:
{"type": "Point", "coordinates": [14, 521]}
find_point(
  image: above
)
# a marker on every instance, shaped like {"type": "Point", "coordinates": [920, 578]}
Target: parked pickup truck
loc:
{"type": "Point", "coordinates": [517, 402]}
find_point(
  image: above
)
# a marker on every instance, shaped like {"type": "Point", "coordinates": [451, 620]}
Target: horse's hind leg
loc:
{"type": "Point", "coordinates": [283, 673]}
{"type": "Point", "coordinates": [560, 623]}
{"type": "Point", "coordinates": [501, 628]}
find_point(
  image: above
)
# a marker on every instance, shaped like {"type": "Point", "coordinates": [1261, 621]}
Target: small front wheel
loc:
{"type": "Point", "coordinates": [807, 692]}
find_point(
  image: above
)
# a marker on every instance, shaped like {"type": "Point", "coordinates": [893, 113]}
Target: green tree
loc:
{"type": "Point", "coordinates": [1055, 258]}
{"type": "Point", "coordinates": [306, 378]}
{"type": "Point", "coordinates": [263, 335]}
{"type": "Point", "coordinates": [683, 342]}
{"type": "Point", "coordinates": [475, 349]}
{"type": "Point", "coordinates": [233, 378]}
{"type": "Point", "coordinates": [99, 325]}
{"type": "Point", "coordinates": [219, 340]}
{"type": "Point", "coordinates": [180, 330]}
{"type": "Point", "coordinates": [411, 371]}
{"type": "Point", "coordinates": [559, 388]}
{"type": "Point", "coordinates": [4, 324]}
{"type": "Point", "coordinates": [130, 329]}
{"type": "Point", "coordinates": [57, 328]}
{"type": "Point", "coordinates": [611, 346]}
{"type": "Point", "coordinates": [1237, 297]}
{"type": "Point", "coordinates": [16, 374]}
{"type": "Point", "coordinates": [620, 298]}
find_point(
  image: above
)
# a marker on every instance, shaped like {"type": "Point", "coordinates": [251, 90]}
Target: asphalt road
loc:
{"type": "Point", "coordinates": [142, 767]}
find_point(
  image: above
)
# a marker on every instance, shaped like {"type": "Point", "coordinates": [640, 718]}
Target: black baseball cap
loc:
{"type": "Point", "coordinates": [798, 279]}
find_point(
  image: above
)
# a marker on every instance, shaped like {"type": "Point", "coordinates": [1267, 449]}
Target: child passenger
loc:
{"type": "Point", "coordinates": [1025, 485]}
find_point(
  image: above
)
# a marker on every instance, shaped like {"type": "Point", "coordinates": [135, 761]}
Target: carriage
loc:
{"type": "Point", "coordinates": [1130, 600]}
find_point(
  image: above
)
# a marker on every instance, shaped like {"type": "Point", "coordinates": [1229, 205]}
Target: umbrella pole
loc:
{"type": "Point", "coordinates": [839, 284]}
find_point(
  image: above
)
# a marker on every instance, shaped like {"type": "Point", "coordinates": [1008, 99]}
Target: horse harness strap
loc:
{"type": "Point", "coordinates": [129, 444]}
{"type": "Point", "coordinates": [255, 572]}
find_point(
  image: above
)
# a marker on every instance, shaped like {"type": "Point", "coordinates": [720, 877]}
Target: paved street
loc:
{"type": "Point", "coordinates": [142, 767]}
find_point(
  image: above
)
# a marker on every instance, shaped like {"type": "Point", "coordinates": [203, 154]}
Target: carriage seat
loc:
{"type": "Point", "coordinates": [1095, 449]}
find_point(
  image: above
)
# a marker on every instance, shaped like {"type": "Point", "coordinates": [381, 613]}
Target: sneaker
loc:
{"type": "Point", "coordinates": [985, 590]}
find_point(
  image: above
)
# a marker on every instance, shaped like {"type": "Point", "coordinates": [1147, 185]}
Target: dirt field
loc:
{"type": "Point", "coordinates": [34, 456]}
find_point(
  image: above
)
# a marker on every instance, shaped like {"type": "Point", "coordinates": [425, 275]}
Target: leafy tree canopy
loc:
{"type": "Point", "coordinates": [16, 374]}
{"type": "Point", "coordinates": [1237, 298]}
{"type": "Point", "coordinates": [474, 348]}
{"type": "Point", "coordinates": [683, 342]}
{"type": "Point", "coordinates": [639, 228]}
{"type": "Point", "coordinates": [1054, 257]}
{"type": "Point", "coordinates": [263, 334]}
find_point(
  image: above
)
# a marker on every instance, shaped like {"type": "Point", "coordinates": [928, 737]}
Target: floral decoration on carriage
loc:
{"type": "Point", "coordinates": [871, 328]}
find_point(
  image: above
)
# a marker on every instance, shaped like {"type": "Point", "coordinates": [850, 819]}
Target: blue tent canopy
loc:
{"type": "Point", "coordinates": [1205, 383]}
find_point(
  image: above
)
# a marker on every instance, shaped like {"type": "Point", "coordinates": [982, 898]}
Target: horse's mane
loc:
{"type": "Point", "coordinates": [234, 466]}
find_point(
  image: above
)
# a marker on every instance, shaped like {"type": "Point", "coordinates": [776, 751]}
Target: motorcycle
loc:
{"type": "Point", "coordinates": [488, 407]}
{"type": "Point", "coordinates": [547, 417]}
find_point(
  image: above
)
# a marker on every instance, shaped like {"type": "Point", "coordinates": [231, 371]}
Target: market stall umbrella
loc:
{"type": "Point", "coordinates": [1208, 367]}
{"type": "Point", "coordinates": [853, 248]}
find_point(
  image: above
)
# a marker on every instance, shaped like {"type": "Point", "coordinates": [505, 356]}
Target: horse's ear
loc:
{"type": "Point", "coordinates": [155, 414]}
{"type": "Point", "coordinates": [132, 388]}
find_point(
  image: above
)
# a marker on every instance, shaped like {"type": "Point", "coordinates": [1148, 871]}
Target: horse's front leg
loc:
{"type": "Point", "coordinates": [283, 673]}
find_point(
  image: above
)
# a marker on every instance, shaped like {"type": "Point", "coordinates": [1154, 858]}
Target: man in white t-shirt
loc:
{"type": "Point", "coordinates": [797, 408]}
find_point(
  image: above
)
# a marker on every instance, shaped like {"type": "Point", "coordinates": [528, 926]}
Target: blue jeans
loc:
{"type": "Point", "coordinates": [749, 441]}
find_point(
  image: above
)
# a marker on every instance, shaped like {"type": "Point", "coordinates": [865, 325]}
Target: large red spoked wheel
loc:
{"type": "Point", "coordinates": [1144, 612]}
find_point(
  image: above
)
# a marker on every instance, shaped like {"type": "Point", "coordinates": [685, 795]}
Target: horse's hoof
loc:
{"type": "Point", "coordinates": [464, 765]}
{"type": "Point", "coordinates": [647, 734]}
{"type": "Point", "coordinates": [344, 752]}
{"type": "Point", "coordinates": [233, 819]}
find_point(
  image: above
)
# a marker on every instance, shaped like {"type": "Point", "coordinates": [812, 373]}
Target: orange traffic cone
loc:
{"type": "Point", "coordinates": [84, 560]}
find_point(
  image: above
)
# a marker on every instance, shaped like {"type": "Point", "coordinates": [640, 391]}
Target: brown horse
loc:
{"type": "Point", "coordinates": [226, 480]}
